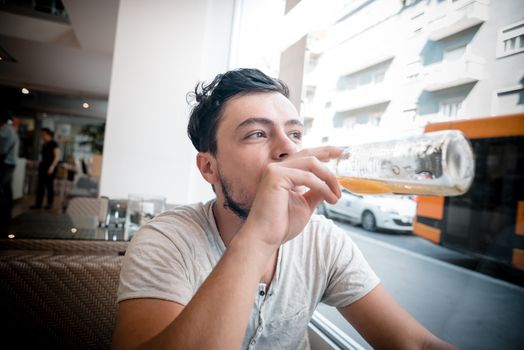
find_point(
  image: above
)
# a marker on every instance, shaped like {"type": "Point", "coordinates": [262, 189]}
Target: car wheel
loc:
{"type": "Point", "coordinates": [369, 223]}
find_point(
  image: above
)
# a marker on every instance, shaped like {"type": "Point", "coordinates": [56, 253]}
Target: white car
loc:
{"type": "Point", "coordinates": [372, 212]}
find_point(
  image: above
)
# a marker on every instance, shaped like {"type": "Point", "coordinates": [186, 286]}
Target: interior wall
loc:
{"type": "Point", "coordinates": [162, 49]}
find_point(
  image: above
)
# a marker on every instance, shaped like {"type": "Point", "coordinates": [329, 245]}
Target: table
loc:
{"type": "Point", "coordinates": [45, 225]}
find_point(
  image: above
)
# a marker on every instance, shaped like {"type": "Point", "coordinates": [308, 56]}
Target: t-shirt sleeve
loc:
{"type": "Point", "coordinates": [154, 267]}
{"type": "Point", "coordinates": [349, 276]}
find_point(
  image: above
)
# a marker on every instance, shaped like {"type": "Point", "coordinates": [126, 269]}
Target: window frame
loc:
{"type": "Point", "coordinates": [513, 31]}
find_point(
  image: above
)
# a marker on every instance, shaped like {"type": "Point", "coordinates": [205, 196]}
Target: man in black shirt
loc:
{"type": "Point", "coordinates": [50, 156]}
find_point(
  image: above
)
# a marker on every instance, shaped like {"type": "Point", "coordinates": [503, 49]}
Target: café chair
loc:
{"type": "Point", "coordinates": [20, 246]}
{"type": "Point", "coordinates": [89, 206]}
{"type": "Point", "coordinates": [58, 301]}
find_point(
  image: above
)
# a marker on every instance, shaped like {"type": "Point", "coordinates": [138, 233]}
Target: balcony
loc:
{"type": "Point", "coordinates": [454, 17]}
{"type": "Point", "coordinates": [446, 74]}
{"type": "Point", "coordinates": [364, 96]}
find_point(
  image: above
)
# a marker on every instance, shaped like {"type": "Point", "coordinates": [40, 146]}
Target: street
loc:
{"type": "Point", "coordinates": [469, 309]}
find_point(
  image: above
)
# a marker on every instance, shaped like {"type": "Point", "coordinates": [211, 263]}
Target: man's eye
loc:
{"type": "Point", "coordinates": [297, 135]}
{"type": "Point", "coordinates": [256, 135]}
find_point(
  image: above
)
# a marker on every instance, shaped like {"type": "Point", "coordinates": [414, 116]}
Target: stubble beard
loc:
{"type": "Point", "coordinates": [239, 209]}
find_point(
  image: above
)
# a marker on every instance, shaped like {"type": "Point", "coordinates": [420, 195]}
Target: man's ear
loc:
{"type": "Point", "coordinates": [207, 165]}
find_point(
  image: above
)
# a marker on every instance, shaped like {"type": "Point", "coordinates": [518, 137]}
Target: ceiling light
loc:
{"type": "Point", "coordinates": [85, 105]}
{"type": "Point", "coordinates": [25, 91]}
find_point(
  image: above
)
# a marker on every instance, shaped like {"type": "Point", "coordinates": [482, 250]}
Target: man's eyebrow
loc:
{"type": "Point", "coordinates": [267, 122]}
{"type": "Point", "coordinates": [295, 122]}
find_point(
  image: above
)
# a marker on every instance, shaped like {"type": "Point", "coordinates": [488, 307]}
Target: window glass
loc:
{"type": "Point", "coordinates": [379, 81]}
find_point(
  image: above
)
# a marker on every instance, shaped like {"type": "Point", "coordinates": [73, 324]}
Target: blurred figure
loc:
{"type": "Point", "coordinates": [50, 156]}
{"type": "Point", "coordinates": [9, 144]}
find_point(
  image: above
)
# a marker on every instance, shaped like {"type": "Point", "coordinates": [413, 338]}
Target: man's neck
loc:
{"type": "Point", "coordinates": [228, 223]}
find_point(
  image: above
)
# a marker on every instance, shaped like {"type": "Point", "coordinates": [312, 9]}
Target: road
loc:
{"type": "Point", "coordinates": [464, 307]}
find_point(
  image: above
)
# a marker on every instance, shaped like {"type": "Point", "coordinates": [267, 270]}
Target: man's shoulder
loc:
{"type": "Point", "coordinates": [186, 221]}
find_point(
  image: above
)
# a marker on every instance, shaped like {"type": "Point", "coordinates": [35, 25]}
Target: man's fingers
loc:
{"type": "Point", "coordinates": [313, 165]}
{"type": "Point", "coordinates": [324, 153]}
{"type": "Point", "coordinates": [299, 177]}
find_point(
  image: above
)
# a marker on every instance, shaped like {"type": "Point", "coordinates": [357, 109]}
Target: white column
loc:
{"type": "Point", "coordinates": [162, 49]}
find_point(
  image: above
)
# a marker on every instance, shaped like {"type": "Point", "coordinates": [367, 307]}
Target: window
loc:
{"type": "Point", "coordinates": [455, 53]}
{"type": "Point", "coordinates": [310, 93]}
{"type": "Point", "coordinates": [510, 100]}
{"type": "Point", "coordinates": [371, 75]}
{"type": "Point", "coordinates": [511, 40]}
{"type": "Point", "coordinates": [450, 108]}
{"type": "Point", "coordinates": [378, 77]}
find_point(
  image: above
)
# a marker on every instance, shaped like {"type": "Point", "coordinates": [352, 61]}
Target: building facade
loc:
{"type": "Point", "coordinates": [387, 68]}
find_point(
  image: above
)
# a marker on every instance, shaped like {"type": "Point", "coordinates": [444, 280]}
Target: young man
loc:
{"type": "Point", "coordinates": [50, 155]}
{"type": "Point", "coordinates": [248, 269]}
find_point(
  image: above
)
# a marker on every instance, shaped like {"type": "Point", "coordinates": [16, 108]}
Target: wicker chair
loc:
{"type": "Point", "coordinates": [89, 206]}
{"type": "Point", "coordinates": [61, 246]}
{"type": "Point", "coordinates": [59, 301]}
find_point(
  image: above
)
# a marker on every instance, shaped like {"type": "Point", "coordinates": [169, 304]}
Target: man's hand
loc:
{"type": "Point", "coordinates": [50, 170]}
{"type": "Point", "coordinates": [280, 210]}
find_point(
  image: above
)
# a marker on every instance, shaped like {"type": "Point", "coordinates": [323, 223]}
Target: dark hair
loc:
{"type": "Point", "coordinates": [48, 132]}
{"type": "Point", "coordinates": [210, 99]}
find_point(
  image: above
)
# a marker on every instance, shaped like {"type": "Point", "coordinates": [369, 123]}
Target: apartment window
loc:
{"type": "Point", "coordinates": [450, 108]}
{"type": "Point", "coordinates": [310, 93]}
{"type": "Point", "coordinates": [379, 76]}
{"type": "Point", "coordinates": [365, 78]}
{"type": "Point", "coordinates": [454, 53]}
{"type": "Point", "coordinates": [372, 75]}
{"type": "Point", "coordinates": [510, 100]}
{"type": "Point", "coordinates": [511, 40]}
{"type": "Point", "coordinates": [368, 116]}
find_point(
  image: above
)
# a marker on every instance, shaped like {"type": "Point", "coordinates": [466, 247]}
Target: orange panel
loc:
{"type": "Point", "coordinates": [430, 207]}
{"type": "Point", "coordinates": [427, 232]}
{"type": "Point", "coordinates": [503, 126]}
{"type": "Point", "coordinates": [519, 227]}
{"type": "Point", "coordinates": [518, 258]}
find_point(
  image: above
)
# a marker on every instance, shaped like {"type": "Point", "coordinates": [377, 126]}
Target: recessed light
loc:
{"type": "Point", "coordinates": [85, 105]}
{"type": "Point", "coordinates": [25, 91]}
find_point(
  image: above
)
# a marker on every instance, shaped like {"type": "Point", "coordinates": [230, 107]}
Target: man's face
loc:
{"type": "Point", "coordinates": [45, 136]}
{"type": "Point", "coordinates": [255, 130]}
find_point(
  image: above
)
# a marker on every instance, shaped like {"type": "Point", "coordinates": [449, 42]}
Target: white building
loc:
{"type": "Point", "coordinates": [387, 68]}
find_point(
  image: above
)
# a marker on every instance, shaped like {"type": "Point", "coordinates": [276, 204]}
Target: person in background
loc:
{"type": "Point", "coordinates": [247, 269]}
{"type": "Point", "coordinates": [9, 144]}
{"type": "Point", "coordinates": [50, 156]}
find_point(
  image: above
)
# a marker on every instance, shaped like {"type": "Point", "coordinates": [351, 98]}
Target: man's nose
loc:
{"type": "Point", "coordinates": [284, 147]}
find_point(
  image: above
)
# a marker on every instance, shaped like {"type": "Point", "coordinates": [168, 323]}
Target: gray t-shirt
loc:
{"type": "Point", "coordinates": [171, 256]}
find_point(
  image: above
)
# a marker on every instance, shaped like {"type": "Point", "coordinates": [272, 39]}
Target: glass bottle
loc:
{"type": "Point", "coordinates": [439, 163]}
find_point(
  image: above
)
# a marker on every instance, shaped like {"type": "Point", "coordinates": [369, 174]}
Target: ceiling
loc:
{"type": "Point", "coordinates": [65, 58]}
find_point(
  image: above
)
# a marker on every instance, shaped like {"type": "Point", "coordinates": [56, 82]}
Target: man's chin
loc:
{"type": "Point", "coordinates": [239, 210]}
